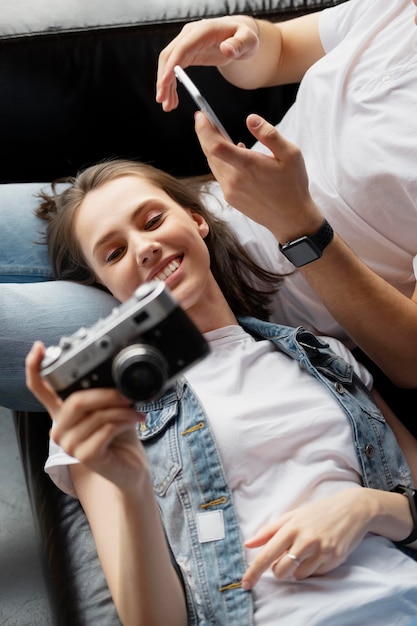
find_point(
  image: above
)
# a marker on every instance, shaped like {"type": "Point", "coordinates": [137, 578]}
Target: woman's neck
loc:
{"type": "Point", "coordinates": [213, 312]}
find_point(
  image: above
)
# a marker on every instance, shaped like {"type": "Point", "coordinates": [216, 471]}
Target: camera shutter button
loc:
{"type": "Point", "coordinates": [104, 343]}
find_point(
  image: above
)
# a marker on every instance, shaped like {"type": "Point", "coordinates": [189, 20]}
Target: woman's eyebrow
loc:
{"type": "Point", "coordinates": [112, 233]}
{"type": "Point", "coordinates": [107, 237]}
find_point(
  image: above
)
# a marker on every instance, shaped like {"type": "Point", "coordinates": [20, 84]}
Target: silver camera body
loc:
{"type": "Point", "coordinates": [140, 348]}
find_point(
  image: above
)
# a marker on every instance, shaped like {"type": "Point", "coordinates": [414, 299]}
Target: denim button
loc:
{"type": "Point", "coordinates": [369, 451]}
{"type": "Point", "coordinates": [339, 388]}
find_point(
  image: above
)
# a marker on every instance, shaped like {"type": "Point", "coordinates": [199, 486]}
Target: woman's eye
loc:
{"type": "Point", "coordinates": [153, 221]}
{"type": "Point", "coordinates": [114, 255]}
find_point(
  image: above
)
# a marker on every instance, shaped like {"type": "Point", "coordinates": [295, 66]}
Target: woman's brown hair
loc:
{"type": "Point", "coordinates": [247, 287]}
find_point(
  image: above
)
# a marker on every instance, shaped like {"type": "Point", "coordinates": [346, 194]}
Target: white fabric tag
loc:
{"type": "Point", "coordinates": [210, 526]}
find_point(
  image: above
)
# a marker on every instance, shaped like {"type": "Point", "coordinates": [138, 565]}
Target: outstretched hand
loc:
{"type": "Point", "coordinates": [272, 189]}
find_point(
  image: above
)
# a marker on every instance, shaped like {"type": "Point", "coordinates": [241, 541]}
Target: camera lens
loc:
{"type": "Point", "coordinates": [139, 372]}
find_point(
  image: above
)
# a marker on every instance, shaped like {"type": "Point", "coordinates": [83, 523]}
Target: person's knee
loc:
{"type": "Point", "coordinates": [45, 311]}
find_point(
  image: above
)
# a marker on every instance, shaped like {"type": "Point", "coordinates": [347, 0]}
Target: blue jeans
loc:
{"type": "Point", "coordinates": [22, 260]}
{"type": "Point", "coordinates": [32, 306]}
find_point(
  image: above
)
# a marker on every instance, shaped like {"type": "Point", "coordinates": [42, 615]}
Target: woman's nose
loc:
{"type": "Point", "coordinates": [147, 252]}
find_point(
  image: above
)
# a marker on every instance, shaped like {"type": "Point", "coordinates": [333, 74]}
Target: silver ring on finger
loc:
{"type": "Point", "coordinates": [294, 558]}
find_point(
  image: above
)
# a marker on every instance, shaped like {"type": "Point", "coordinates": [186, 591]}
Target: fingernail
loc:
{"type": "Point", "coordinates": [255, 120]}
{"type": "Point", "coordinates": [246, 585]}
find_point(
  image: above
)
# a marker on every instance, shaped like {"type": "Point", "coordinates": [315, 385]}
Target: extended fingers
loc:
{"type": "Point", "coordinates": [295, 562]}
{"type": "Point", "coordinates": [282, 152]}
{"type": "Point", "coordinates": [268, 135]}
{"type": "Point", "coordinates": [268, 557]}
{"type": "Point", "coordinates": [290, 554]}
{"type": "Point", "coordinates": [275, 546]}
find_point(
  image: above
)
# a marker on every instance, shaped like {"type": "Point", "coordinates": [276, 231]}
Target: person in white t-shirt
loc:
{"type": "Point", "coordinates": [267, 468]}
{"type": "Point", "coordinates": [355, 124]}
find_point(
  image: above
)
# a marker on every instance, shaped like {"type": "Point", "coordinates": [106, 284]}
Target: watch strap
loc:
{"type": "Point", "coordinates": [315, 244]}
{"type": "Point", "coordinates": [412, 501]}
{"type": "Point", "coordinates": [323, 236]}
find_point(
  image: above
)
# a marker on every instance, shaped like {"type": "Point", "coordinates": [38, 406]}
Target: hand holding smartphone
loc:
{"type": "Point", "coordinates": [200, 101]}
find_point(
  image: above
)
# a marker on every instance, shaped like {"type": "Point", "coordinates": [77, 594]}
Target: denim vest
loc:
{"type": "Point", "coordinates": [189, 480]}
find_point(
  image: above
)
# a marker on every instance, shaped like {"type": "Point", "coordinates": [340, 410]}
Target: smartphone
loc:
{"type": "Point", "coordinates": [200, 101]}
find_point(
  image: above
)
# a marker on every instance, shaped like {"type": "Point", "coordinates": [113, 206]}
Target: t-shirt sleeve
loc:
{"type": "Point", "coordinates": [336, 22]}
{"type": "Point", "coordinates": [57, 466]}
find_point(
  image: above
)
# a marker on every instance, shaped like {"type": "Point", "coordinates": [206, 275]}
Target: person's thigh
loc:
{"type": "Point", "coordinates": [23, 258]}
{"type": "Point", "coordinates": [45, 311]}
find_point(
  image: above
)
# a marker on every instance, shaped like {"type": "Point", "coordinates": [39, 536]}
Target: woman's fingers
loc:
{"type": "Point", "coordinates": [289, 557]}
{"type": "Point", "coordinates": [90, 437]}
{"type": "Point", "coordinates": [38, 385]}
{"type": "Point", "coordinates": [87, 410]}
{"type": "Point", "coordinates": [313, 539]}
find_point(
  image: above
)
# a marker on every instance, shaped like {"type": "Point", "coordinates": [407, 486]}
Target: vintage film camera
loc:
{"type": "Point", "coordinates": [140, 348]}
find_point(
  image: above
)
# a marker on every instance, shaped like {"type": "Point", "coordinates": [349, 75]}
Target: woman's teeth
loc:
{"type": "Point", "coordinates": [170, 269]}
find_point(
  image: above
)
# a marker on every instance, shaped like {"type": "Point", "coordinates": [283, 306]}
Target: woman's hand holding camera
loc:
{"type": "Point", "coordinates": [96, 426]}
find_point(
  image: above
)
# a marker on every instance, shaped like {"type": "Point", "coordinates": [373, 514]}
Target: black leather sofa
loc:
{"type": "Point", "coordinates": [78, 85]}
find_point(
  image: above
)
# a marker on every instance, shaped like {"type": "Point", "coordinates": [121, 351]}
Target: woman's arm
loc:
{"type": "Point", "coordinates": [113, 482]}
{"type": "Point", "coordinates": [249, 53]}
{"type": "Point", "coordinates": [132, 549]}
{"type": "Point", "coordinates": [272, 189]}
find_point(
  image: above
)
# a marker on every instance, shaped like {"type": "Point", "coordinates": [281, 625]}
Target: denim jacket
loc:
{"type": "Point", "coordinates": [190, 483]}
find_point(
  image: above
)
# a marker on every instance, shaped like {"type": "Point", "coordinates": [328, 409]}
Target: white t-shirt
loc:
{"type": "Point", "coordinates": [278, 453]}
{"type": "Point", "coordinates": [355, 121]}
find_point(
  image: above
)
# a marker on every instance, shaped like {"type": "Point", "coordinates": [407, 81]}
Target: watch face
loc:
{"type": "Point", "coordinates": [301, 251]}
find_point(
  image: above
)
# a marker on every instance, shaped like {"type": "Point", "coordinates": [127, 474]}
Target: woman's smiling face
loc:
{"type": "Point", "coordinates": [130, 231]}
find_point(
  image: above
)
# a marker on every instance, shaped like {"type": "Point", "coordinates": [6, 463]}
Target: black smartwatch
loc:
{"type": "Point", "coordinates": [308, 248]}
{"type": "Point", "coordinates": [412, 501]}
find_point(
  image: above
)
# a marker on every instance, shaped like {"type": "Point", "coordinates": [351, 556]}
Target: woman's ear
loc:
{"type": "Point", "coordinates": [202, 225]}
